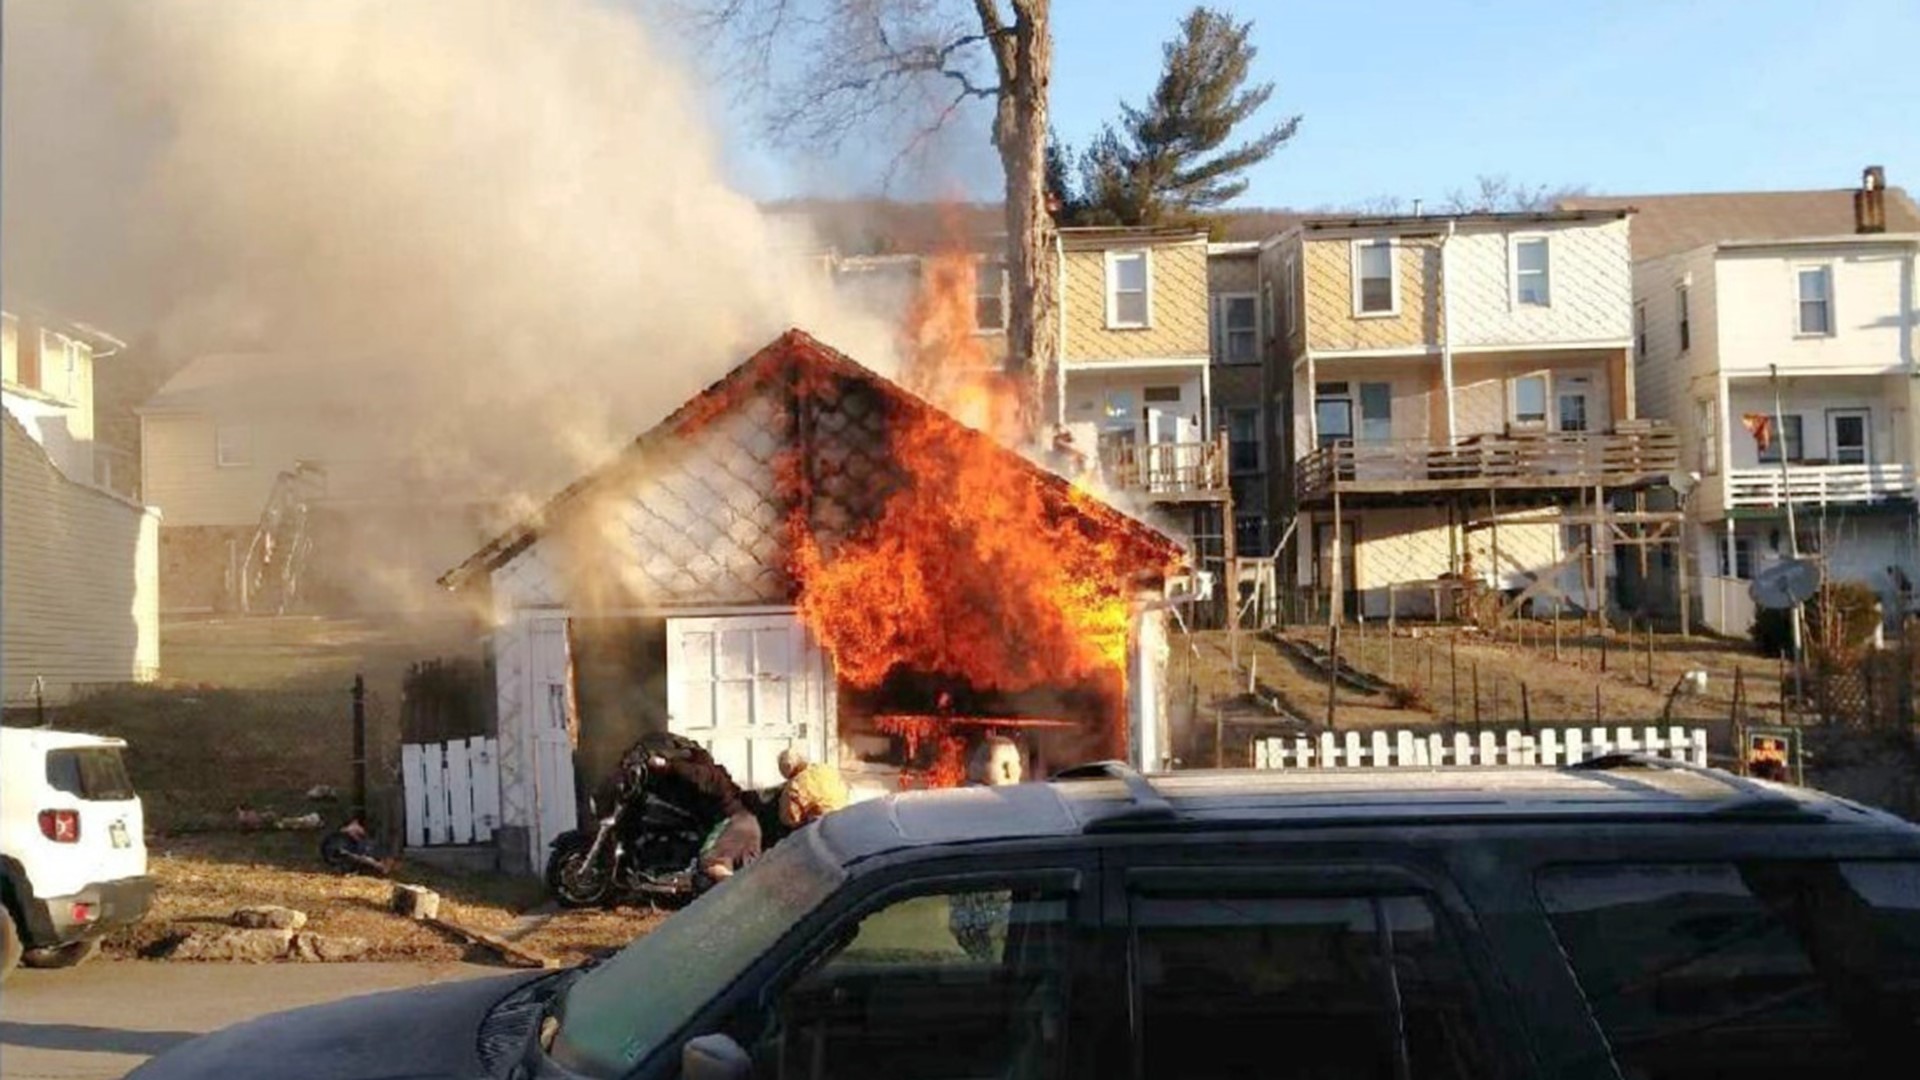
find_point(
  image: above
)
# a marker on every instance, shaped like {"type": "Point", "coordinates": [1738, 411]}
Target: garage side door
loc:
{"type": "Point", "coordinates": [747, 687]}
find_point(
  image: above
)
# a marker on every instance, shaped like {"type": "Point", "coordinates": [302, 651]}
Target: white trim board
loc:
{"type": "Point", "coordinates": [1137, 365]}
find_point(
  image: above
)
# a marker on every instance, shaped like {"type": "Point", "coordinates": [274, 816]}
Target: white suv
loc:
{"type": "Point", "coordinates": [73, 854]}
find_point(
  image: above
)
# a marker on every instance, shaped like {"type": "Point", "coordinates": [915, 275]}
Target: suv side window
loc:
{"type": "Point", "coordinates": [1245, 984]}
{"type": "Point", "coordinates": [966, 982]}
{"type": "Point", "coordinates": [1757, 970]}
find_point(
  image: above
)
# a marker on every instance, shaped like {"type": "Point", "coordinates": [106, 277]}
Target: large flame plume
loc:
{"type": "Point", "coordinates": [975, 570]}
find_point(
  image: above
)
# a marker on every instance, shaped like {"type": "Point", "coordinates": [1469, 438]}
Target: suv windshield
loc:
{"type": "Point", "coordinates": [618, 1014]}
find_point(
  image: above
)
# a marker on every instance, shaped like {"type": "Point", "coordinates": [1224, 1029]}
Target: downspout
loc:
{"type": "Point", "coordinates": [1446, 335]}
{"type": "Point", "coordinates": [1060, 330]}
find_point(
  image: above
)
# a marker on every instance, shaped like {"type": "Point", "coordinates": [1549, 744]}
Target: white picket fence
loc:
{"type": "Point", "coordinates": [1410, 749]}
{"type": "Point", "coordinates": [452, 791]}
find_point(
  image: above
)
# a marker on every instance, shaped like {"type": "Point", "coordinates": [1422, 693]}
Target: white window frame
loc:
{"type": "Point", "coordinates": [985, 268]}
{"type": "Point", "coordinates": [1799, 327]}
{"type": "Point", "coordinates": [222, 456]}
{"type": "Point", "coordinates": [1113, 291]}
{"type": "Point", "coordinates": [1546, 421]}
{"type": "Point", "coordinates": [1513, 268]}
{"type": "Point", "coordinates": [1393, 275]}
{"type": "Point", "coordinates": [990, 266]}
{"type": "Point", "coordinates": [1221, 303]}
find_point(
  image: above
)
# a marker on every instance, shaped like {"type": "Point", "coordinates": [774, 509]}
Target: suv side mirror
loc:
{"type": "Point", "coordinates": [714, 1057]}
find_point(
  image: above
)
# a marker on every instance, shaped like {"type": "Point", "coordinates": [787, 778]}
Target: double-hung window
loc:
{"type": "Point", "coordinates": [1531, 284]}
{"type": "Point", "coordinates": [1129, 290]}
{"type": "Point", "coordinates": [1236, 322]}
{"type": "Point", "coordinates": [1814, 285]}
{"type": "Point", "coordinates": [1374, 289]}
{"type": "Point", "coordinates": [990, 298]}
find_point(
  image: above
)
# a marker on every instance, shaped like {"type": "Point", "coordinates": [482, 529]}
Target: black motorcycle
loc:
{"type": "Point", "coordinates": [645, 849]}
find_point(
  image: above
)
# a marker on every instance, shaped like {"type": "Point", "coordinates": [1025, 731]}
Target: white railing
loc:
{"type": "Point", "coordinates": [1429, 749]}
{"type": "Point", "coordinates": [452, 791]}
{"type": "Point", "coordinates": [1818, 484]}
{"type": "Point", "coordinates": [1726, 606]}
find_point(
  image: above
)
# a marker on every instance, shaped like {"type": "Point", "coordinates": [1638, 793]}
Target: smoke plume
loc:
{"type": "Point", "coordinates": [490, 239]}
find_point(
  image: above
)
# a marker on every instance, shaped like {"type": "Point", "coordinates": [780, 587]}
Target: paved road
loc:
{"type": "Point", "coordinates": [99, 1021]}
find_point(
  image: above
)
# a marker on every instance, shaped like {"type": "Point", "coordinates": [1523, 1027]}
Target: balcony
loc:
{"type": "Point", "coordinates": [1168, 471]}
{"type": "Point", "coordinates": [1541, 460]}
{"type": "Point", "coordinates": [1818, 485]}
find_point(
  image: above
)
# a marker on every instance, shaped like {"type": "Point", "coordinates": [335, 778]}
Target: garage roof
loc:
{"type": "Point", "coordinates": [835, 411]}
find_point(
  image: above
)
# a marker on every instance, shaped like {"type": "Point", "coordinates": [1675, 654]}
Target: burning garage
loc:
{"type": "Point", "coordinates": [809, 554]}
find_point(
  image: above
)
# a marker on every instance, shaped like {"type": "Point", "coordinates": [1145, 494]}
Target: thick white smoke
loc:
{"type": "Point", "coordinates": [492, 236]}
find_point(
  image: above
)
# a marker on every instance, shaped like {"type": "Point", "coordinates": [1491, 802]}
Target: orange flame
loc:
{"type": "Point", "coordinates": [975, 568]}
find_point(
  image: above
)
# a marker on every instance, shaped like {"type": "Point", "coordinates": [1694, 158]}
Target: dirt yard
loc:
{"type": "Point", "coordinates": [204, 877]}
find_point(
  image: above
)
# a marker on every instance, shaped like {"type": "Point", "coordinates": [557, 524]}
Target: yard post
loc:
{"type": "Point", "coordinates": [1597, 718]}
{"type": "Point", "coordinates": [1603, 647]}
{"type": "Point", "coordinates": [1526, 709]}
{"type": "Point", "coordinates": [1333, 673]}
{"type": "Point", "coordinates": [360, 747]}
{"type": "Point", "coordinates": [1476, 695]}
{"type": "Point", "coordinates": [1650, 679]}
{"type": "Point", "coordinates": [1453, 664]}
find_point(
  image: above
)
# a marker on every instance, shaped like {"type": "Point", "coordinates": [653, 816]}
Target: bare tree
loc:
{"type": "Point", "coordinates": [1498, 194]}
{"type": "Point", "coordinates": [863, 62]}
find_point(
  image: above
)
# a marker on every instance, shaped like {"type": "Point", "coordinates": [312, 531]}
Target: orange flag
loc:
{"type": "Point", "coordinates": [1761, 426]}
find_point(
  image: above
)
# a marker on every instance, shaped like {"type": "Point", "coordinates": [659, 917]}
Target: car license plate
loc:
{"type": "Point", "coordinates": [118, 830]}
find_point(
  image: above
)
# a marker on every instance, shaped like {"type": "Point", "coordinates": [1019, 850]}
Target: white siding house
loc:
{"type": "Point", "coordinates": [1833, 318]}
{"type": "Point", "coordinates": [1488, 338]}
{"type": "Point", "coordinates": [79, 579]}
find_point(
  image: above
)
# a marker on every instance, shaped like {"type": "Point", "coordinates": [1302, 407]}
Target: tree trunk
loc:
{"type": "Point", "coordinates": [1024, 56]}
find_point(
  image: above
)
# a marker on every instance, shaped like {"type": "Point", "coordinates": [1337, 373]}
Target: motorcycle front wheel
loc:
{"type": "Point", "coordinates": [573, 880]}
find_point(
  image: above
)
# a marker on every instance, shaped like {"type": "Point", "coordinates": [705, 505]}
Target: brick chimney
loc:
{"type": "Point", "coordinates": [1870, 202]}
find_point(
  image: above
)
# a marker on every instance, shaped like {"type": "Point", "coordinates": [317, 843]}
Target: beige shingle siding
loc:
{"type": "Point", "coordinates": [79, 579]}
{"type": "Point", "coordinates": [1179, 322]}
{"type": "Point", "coordinates": [1330, 320]}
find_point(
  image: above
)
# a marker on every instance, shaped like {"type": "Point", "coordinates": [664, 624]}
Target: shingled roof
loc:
{"type": "Point", "coordinates": [796, 394]}
{"type": "Point", "coordinates": [1667, 224]}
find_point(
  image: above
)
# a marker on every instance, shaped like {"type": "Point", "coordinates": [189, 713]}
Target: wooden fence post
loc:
{"type": "Point", "coordinates": [1476, 695]}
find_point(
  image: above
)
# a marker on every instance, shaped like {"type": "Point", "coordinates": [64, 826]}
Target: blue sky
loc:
{"type": "Point", "coordinates": [1416, 99]}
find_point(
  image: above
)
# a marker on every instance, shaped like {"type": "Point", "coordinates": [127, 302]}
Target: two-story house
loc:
{"type": "Point", "coordinates": [1145, 318]}
{"type": "Point", "coordinates": [78, 561]}
{"type": "Point", "coordinates": [1237, 385]}
{"type": "Point", "coordinates": [236, 447]}
{"type": "Point", "coordinates": [1776, 332]}
{"type": "Point", "coordinates": [1460, 403]}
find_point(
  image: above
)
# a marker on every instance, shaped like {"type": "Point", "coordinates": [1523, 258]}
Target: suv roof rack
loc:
{"type": "Point", "coordinates": [1144, 803]}
{"type": "Point", "coordinates": [1753, 796]}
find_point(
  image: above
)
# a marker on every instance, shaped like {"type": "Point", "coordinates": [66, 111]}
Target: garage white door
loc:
{"type": "Point", "coordinates": [747, 687]}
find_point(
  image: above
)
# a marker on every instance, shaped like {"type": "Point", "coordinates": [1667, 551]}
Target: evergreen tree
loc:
{"type": "Point", "coordinates": [1168, 161]}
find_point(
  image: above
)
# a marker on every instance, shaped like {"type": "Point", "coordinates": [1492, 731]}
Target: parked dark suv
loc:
{"type": "Point", "coordinates": [1624, 918]}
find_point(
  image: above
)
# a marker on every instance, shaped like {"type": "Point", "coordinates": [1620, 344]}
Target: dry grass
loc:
{"type": "Point", "coordinates": [203, 878]}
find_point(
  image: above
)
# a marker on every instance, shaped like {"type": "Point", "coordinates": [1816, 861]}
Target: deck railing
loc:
{"type": "Point", "coordinates": [1555, 459]}
{"type": "Point", "coordinates": [1168, 469]}
{"type": "Point", "coordinates": [1818, 485]}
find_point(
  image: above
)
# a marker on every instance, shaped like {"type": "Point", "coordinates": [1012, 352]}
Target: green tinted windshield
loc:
{"type": "Point", "coordinates": [618, 1014]}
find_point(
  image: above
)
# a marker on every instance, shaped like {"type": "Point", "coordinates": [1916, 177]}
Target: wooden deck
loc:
{"type": "Point", "coordinates": [1169, 472]}
{"type": "Point", "coordinates": [1541, 461]}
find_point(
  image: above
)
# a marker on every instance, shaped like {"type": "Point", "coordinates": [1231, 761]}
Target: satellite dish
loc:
{"type": "Point", "coordinates": [1786, 584]}
{"type": "Point", "coordinates": [1683, 482]}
